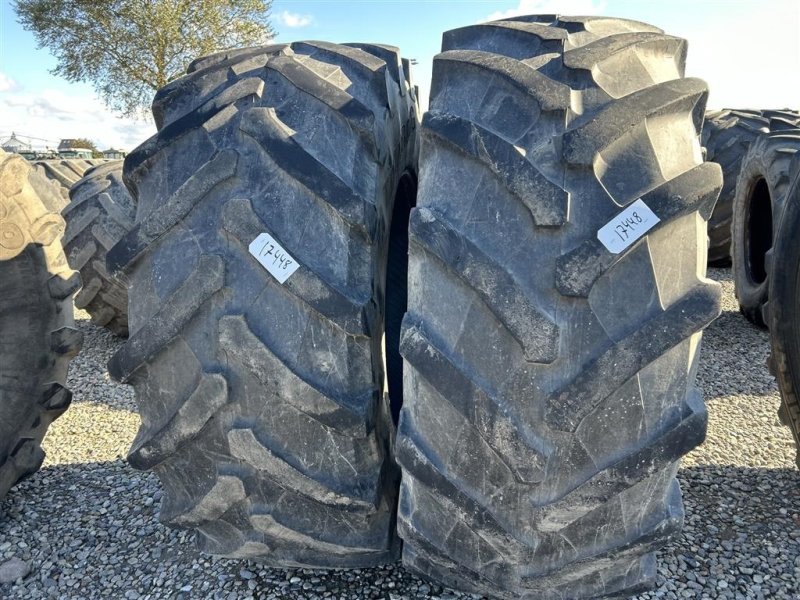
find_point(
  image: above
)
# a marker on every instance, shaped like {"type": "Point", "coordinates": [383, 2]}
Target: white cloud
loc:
{"type": "Point", "coordinates": [6, 83]}
{"type": "Point", "coordinates": [556, 7]}
{"type": "Point", "coordinates": [53, 114]}
{"type": "Point", "coordinates": [290, 19]}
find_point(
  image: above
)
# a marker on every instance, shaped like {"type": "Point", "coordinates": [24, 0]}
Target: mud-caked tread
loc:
{"type": "Point", "coordinates": [262, 403]}
{"type": "Point", "coordinates": [783, 309]}
{"type": "Point", "coordinates": [37, 337]}
{"type": "Point", "coordinates": [757, 209]}
{"type": "Point", "coordinates": [63, 173]}
{"type": "Point", "coordinates": [101, 211]}
{"type": "Point", "coordinates": [549, 383]}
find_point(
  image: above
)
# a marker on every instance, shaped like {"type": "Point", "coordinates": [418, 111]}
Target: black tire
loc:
{"type": "Point", "coordinates": [757, 205]}
{"type": "Point", "coordinates": [64, 173]}
{"type": "Point", "coordinates": [261, 404]}
{"type": "Point", "coordinates": [726, 136]}
{"type": "Point", "coordinates": [37, 337]}
{"type": "Point", "coordinates": [101, 211]}
{"type": "Point", "coordinates": [549, 387]}
{"type": "Point", "coordinates": [783, 309]}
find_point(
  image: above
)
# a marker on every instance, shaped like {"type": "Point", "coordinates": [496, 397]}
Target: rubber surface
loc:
{"type": "Point", "coordinates": [100, 213]}
{"type": "Point", "coordinates": [262, 403]}
{"type": "Point", "coordinates": [726, 136]}
{"type": "Point", "coordinates": [63, 173]}
{"type": "Point", "coordinates": [37, 337]}
{"type": "Point", "coordinates": [783, 308]}
{"type": "Point", "coordinates": [549, 384]}
{"type": "Point", "coordinates": [757, 207]}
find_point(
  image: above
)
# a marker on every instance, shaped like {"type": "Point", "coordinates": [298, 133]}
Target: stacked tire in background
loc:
{"type": "Point", "coordinates": [549, 392]}
{"type": "Point", "coordinates": [726, 137]}
{"type": "Point", "coordinates": [261, 400]}
{"type": "Point", "coordinates": [37, 337]}
{"type": "Point", "coordinates": [761, 189]}
{"type": "Point", "coordinates": [63, 173]}
{"type": "Point", "coordinates": [100, 213]}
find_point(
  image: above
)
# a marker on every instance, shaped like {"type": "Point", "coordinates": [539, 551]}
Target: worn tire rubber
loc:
{"type": "Point", "coordinates": [783, 309]}
{"type": "Point", "coordinates": [37, 337]}
{"type": "Point", "coordinates": [549, 387]}
{"type": "Point", "coordinates": [757, 205]}
{"type": "Point", "coordinates": [261, 404]}
{"type": "Point", "coordinates": [726, 136]}
{"type": "Point", "coordinates": [63, 173]}
{"type": "Point", "coordinates": [101, 211]}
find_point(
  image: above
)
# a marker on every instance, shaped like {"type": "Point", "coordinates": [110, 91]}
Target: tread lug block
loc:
{"type": "Point", "coordinates": [66, 341]}
{"type": "Point", "coordinates": [61, 288]}
{"type": "Point", "coordinates": [27, 456]}
{"type": "Point", "coordinates": [56, 398]}
{"type": "Point", "coordinates": [258, 367]}
{"type": "Point", "coordinates": [549, 370]}
{"type": "Point", "coordinates": [47, 229]}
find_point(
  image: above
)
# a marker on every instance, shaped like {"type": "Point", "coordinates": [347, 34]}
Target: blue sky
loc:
{"type": "Point", "coordinates": [748, 51]}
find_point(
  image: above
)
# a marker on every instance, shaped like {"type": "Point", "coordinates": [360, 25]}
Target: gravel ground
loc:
{"type": "Point", "coordinates": [86, 525]}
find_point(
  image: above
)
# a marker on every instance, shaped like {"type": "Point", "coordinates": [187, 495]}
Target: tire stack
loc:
{"type": "Point", "coordinates": [37, 337]}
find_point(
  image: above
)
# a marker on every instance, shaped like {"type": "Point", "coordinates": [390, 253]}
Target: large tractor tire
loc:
{"type": "Point", "coordinates": [783, 309]}
{"type": "Point", "coordinates": [726, 136]}
{"type": "Point", "coordinates": [549, 390]}
{"type": "Point", "coordinates": [63, 173]}
{"type": "Point", "coordinates": [261, 396]}
{"type": "Point", "coordinates": [757, 205]}
{"type": "Point", "coordinates": [101, 211]}
{"type": "Point", "coordinates": [37, 337]}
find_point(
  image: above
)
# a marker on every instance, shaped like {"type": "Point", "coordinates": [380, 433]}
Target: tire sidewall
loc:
{"type": "Point", "coordinates": [750, 294]}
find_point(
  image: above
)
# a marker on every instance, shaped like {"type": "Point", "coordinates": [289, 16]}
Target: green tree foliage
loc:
{"type": "Point", "coordinates": [90, 145]}
{"type": "Point", "coordinates": [127, 49]}
{"type": "Point", "coordinates": [85, 143]}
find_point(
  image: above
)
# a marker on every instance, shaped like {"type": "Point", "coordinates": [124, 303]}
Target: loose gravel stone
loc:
{"type": "Point", "coordinates": [13, 569]}
{"type": "Point", "coordinates": [87, 527]}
